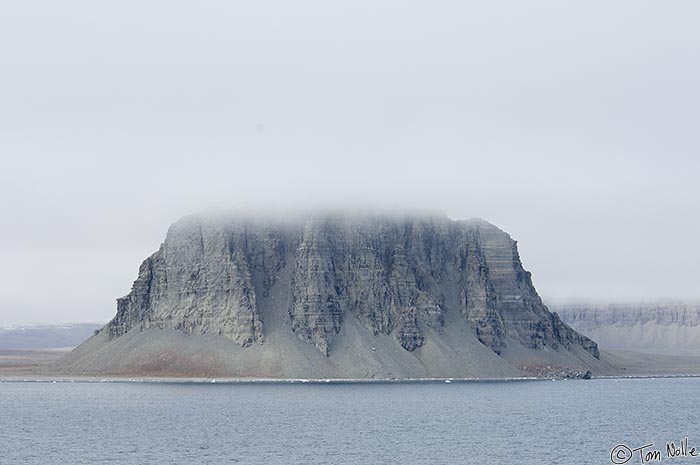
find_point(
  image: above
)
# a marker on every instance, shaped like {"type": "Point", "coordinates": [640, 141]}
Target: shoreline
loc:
{"type": "Point", "coordinates": [38, 366]}
{"type": "Point", "coordinates": [322, 381]}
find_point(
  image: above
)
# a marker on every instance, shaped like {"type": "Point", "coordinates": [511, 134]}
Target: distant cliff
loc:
{"type": "Point", "coordinates": [651, 327]}
{"type": "Point", "coordinates": [447, 293]}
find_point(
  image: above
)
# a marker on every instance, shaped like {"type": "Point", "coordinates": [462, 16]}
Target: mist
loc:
{"type": "Point", "coordinates": [572, 127]}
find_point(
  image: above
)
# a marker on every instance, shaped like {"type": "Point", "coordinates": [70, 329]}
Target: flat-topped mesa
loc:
{"type": "Point", "coordinates": [397, 275]}
{"type": "Point", "coordinates": [662, 327]}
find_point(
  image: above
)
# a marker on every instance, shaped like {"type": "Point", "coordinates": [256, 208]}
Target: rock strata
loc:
{"type": "Point", "coordinates": [415, 279]}
{"type": "Point", "coordinates": [663, 327]}
{"type": "Point", "coordinates": [391, 273]}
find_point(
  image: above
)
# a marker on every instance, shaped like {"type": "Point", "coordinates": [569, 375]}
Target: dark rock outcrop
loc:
{"type": "Point", "coordinates": [397, 275]}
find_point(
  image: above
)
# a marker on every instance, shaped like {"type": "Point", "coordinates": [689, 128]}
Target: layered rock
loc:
{"type": "Point", "coordinates": [665, 327]}
{"type": "Point", "coordinates": [397, 275]}
{"type": "Point", "coordinates": [200, 282]}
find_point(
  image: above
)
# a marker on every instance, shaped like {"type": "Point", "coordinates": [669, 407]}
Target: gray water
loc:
{"type": "Point", "coordinates": [517, 422]}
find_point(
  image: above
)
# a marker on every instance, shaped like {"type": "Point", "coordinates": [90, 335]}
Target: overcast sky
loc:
{"type": "Point", "coordinates": [574, 126]}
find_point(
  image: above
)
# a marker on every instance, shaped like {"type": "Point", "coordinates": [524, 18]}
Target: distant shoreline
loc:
{"type": "Point", "coordinates": [202, 380]}
{"type": "Point", "coordinates": [37, 366]}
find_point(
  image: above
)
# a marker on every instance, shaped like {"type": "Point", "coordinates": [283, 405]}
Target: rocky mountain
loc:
{"type": "Point", "coordinates": [664, 327]}
{"type": "Point", "coordinates": [334, 295]}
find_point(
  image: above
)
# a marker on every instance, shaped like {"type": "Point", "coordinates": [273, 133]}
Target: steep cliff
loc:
{"type": "Point", "coordinates": [663, 327]}
{"type": "Point", "coordinates": [451, 295]}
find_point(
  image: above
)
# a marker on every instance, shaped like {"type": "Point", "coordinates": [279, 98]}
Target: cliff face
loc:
{"type": "Point", "coordinates": [199, 282]}
{"type": "Point", "coordinates": [403, 277]}
{"type": "Point", "coordinates": [652, 327]}
{"type": "Point", "coordinates": [334, 296]}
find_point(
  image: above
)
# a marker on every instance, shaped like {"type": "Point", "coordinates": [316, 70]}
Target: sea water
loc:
{"type": "Point", "coordinates": [514, 422]}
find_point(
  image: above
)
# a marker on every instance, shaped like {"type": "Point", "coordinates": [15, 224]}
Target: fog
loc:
{"type": "Point", "coordinates": [574, 127]}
